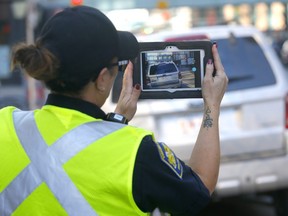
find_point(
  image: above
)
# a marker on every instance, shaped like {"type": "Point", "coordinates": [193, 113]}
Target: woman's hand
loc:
{"type": "Point", "coordinates": [127, 103]}
{"type": "Point", "coordinates": [214, 87]}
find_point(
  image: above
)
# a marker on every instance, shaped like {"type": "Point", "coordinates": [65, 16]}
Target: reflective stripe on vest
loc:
{"type": "Point", "coordinates": [46, 164]}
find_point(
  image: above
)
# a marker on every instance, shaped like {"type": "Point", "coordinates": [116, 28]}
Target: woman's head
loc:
{"type": "Point", "coordinates": [72, 49]}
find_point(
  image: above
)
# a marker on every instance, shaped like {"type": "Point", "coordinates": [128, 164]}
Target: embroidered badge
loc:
{"type": "Point", "coordinates": [170, 159]}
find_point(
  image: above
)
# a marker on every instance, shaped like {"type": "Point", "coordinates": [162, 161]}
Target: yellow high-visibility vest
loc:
{"type": "Point", "coordinates": [57, 161]}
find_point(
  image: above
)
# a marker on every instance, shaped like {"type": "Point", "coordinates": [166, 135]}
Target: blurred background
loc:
{"type": "Point", "coordinates": [21, 20]}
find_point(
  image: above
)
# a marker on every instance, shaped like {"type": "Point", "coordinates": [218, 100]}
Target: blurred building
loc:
{"type": "Point", "coordinates": [21, 20]}
{"type": "Point", "coordinates": [264, 14]}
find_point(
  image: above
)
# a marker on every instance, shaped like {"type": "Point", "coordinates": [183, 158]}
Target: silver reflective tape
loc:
{"type": "Point", "coordinates": [46, 163]}
{"type": "Point", "coordinates": [80, 137]}
{"type": "Point", "coordinates": [13, 195]}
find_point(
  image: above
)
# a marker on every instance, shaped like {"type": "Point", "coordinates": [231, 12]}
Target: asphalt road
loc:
{"type": "Point", "coordinates": [241, 207]}
{"type": "Point", "coordinates": [188, 79]}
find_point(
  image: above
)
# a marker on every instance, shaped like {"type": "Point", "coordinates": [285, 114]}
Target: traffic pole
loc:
{"type": "Point", "coordinates": [30, 24]}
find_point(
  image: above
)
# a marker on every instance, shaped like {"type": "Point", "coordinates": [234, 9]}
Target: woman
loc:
{"type": "Point", "coordinates": [71, 158]}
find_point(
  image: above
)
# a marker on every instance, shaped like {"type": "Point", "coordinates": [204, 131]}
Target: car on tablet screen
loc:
{"type": "Point", "coordinates": [163, 75]}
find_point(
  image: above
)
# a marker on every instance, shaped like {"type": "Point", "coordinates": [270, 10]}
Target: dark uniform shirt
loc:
{"type": "Point", "coordinates": [160, 179]}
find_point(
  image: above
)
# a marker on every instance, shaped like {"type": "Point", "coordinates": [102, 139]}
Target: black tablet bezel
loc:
{"type": "Point", "coordinates": [205, 45]}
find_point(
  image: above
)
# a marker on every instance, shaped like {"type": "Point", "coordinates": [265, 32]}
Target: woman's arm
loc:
{"type": "Point", "coordinates": [205, 158]}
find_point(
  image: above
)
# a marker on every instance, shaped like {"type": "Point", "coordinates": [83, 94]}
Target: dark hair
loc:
{"type": "Point", "coordinates": [39, 63]}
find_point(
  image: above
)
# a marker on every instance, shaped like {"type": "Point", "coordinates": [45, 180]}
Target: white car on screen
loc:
{"type": "Point", "coordinates": [163, 75]}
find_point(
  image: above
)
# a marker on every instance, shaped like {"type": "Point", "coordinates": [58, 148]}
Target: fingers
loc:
{"type": "Point", "coordinates": [214, 86]}
{"type": "Point", "coordinates": [209, 69]}
{"type": "Point", "coordinates": [128, 81]}
{"type": "Point", "coordinates": [127, 103]}
{"type": "Point", "coordinates": [128, 77]}
{"type": "Point", "coordinates": [217, 61]}
{"type": "Point", "coordinates": [220, 71]}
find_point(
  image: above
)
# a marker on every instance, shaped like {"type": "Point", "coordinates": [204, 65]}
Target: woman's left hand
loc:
{"type": "Point", "coordinates": [127, 103]}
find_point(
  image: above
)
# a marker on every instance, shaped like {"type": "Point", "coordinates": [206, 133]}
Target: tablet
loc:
{"type": "Point", "coordinates": [167, 70]}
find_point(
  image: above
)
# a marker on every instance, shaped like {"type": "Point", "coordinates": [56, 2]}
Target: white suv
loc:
{"type": "Point", "coordinates": [253, 120]}
{"type": "Point", "coordinates": [163, 75]}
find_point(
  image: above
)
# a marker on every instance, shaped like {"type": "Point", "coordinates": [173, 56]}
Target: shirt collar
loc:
{"type": "Point", "coordinates": [75, 104]}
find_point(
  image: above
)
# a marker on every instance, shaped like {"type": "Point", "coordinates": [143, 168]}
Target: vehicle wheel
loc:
{"type": "Point", "coordinates": [281, 202]}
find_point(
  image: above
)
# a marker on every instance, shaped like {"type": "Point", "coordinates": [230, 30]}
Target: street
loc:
{"type": "Point", "coordinates": [188, 79]}
{"type": "Point", "coordinates": [237, 206]}
{"type": "Point", "coordinates": [240, 207]}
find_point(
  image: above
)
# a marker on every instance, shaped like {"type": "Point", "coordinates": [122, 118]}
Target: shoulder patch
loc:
{"type": "Point", "coordinates": [170, 159]}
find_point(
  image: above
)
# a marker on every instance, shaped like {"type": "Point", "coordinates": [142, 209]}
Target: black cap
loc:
{"type": "Point", "coordinates": [85, 41]}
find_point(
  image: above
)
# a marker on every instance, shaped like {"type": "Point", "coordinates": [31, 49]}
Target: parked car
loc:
{"type": "Point", "coordinates": [253, 120]}
{"type": "Point", "coordinates": [284, 53]}
{"type": "Point", "coordinates": [163, 75]}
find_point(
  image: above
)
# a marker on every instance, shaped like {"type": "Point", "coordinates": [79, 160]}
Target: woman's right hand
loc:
{"type": "Point", "coordinates": [214, 87]}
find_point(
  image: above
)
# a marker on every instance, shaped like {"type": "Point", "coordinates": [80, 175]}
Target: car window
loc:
{"type": "Point", "coordinates": [162, 69]}
{"type": "Point", "coordinates": [245, 63]}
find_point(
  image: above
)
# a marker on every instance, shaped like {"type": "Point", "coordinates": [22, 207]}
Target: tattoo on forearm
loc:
{"type": "Point", "coordinates": [208, 121]}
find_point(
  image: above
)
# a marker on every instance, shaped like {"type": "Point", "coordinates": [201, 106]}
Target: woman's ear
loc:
{"type": "Point", "coordinates": [101, 81]}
